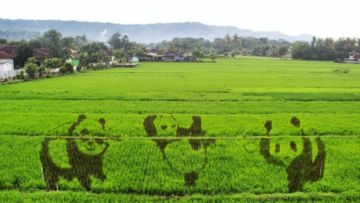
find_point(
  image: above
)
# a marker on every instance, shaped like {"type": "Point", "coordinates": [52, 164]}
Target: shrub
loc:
{"type": "Point", "coordinates": [99, 66]}
{"type": "Point", "coordinates": [52, 63]}
{"type": "Point", "coordinates": [31, 69]}
{"type": "Point", "coordinates": [41, 71]}
{"type": "Point", "coordinates": [20, 76]}
{"type": "Point", "coordinates": [67, 68]}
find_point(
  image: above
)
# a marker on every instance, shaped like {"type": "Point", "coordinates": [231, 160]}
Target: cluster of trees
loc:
{"type": "Point", "coordinates": [227, 46]}
{"type": "Point", "coordinates": [91, 52]}
{"type": "Point", "coordinates": [325, 49]}
{"type": "Point", "coordinates": [59, 47]}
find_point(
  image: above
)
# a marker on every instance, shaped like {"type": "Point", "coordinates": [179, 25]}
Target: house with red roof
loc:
{"type": "Point", "coordinates": [6, 66]}
{"type": "Point", "coordinates": [41, 54]}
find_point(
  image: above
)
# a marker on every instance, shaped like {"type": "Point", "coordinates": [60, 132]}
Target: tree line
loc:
{"type": "Point", "coordinates": [325, 49]}
{"type": "Point", "coordinates": [122, 48]}
{"type": "Point", "coordinates": [227, 46]}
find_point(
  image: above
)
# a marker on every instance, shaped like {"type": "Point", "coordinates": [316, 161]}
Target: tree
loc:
{"type": "Point", "coordinates": [80, 41]}
{"type": "Point", "coordinates": [23, 53]}
{"type": "Point", "coordinates": [67, 68]}
{"type": "Point", "coordinates": [68, 42]}
{"type": "Point", "coordinates": [117, 41]}
{"type": "Point", "coordinates": [52, 40]}
{"type": "Point", "coordinates": [65, 54]}
{"type": "Point", "coordinates": [31, 68]}
{"type": "Point", "coordinates": [36, 43]}
{"type": "Point", "coordinates": [120, 55]}
{"type": "Point", "coordinates": [302, 50]}
{"type": "Point", "coordinates": [52, 63]}
{"type": "Point", "coordinates": [282, 50]}
{"type": "Point", "coordinates": [93, 53]}
{"type": "Point", "coordinates": [198, 54]}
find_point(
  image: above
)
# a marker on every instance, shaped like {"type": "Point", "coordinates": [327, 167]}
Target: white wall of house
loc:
{"type": "Point", "coordinates": [7, 68]}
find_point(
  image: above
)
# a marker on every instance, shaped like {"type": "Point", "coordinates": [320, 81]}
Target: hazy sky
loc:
{"type": "Point", "coordinates": [333, 18]}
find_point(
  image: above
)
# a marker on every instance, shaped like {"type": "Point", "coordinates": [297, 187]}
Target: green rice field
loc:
{"type": "Point", "coordinates": [239, 130]}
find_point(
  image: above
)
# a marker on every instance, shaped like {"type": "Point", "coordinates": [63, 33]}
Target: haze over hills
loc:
{"type": "Point", "coordinates": [144, 33]}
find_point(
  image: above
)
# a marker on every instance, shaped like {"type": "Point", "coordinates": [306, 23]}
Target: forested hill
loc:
{"type": "Point", "coordinates": [146, 33]}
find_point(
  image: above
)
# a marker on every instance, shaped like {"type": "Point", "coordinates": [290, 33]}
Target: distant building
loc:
{"type": "Point", "coordinates": [134, 60]}
{"type": "Point", "coordinates": [9, 49]}
{"type": "Point", "coordinates": [41, 54]}
{"type": "Point", "coordinates": [168, 57]}
{"type": "Point", "coordinates": [74, 59]}
{"type": "Point", "coordinates": [152, 56]}
{"type": "Point", "coordinates": [354, 57]}
{"type": "Point", "coordinates": [6, 66]}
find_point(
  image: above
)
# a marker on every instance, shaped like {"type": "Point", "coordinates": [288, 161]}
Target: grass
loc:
{"type": "Point", "coordinates": [233, 97]}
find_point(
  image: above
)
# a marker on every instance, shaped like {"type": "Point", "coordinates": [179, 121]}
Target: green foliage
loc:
{"type": "Point", "coordinates": [52, 63]}
{"type": "Point", "coordinates": [324, 49]}
{"type": "Point", "coordinates": [93, 53]}
{"type": "Point", "coordinates": [31, 68]}
{"type": "Point", "coordinates": [68, 42]}
{"type": "Point", "coordinates": [117, 41]}
{"type": "Point", "coordinates": [229, 45]}
{"type": "Point", "coordinates": [23, 52]}
{"type": "Point", "coordinates": [67, 68]}
{"type": "Point", "coordinates": [52, 40]}
{"type": "Point", "coordinates": [20, 76]}
{"type": "Point", "coordinates": [123, 48]}
{"type": "Point", "coordinates": [198, 54]}
{"type": "Point", "coordinates": [120, 54]}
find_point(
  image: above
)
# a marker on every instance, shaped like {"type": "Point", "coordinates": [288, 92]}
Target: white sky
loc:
{"type": "Point", "coordinates": [333, 18]}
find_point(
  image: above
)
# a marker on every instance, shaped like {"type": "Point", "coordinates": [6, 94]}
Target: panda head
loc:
{"type": "Point", "coordinates": [89, 131]}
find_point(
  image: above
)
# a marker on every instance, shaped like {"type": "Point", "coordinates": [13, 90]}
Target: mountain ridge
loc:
{"type": "Point", "coordinates": [143, 33]}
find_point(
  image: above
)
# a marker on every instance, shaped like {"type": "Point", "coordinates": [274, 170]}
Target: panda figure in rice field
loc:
{"type": "Point", "coordinates": [84, 154]}
{"type": "Point", "coordinates": [161, 127]}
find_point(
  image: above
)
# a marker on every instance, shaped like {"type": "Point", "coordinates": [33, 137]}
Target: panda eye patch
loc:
{"type": "Point", "coordinates": [293, 146]}
{"type": "Point", "coordinates": [277, 148]}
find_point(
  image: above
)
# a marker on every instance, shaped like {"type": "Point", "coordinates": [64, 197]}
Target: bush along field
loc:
{"type": "Point", "coordinates": [239, 130]}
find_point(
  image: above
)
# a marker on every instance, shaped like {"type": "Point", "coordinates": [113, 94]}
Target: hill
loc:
{"type": "Point", "coordinates": [144, 33]}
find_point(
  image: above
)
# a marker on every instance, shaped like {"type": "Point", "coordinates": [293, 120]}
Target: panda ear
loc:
{"type": "Point", "coordinates": [81, 118]}
{"type": "Point", "coordinates": [102, 122]}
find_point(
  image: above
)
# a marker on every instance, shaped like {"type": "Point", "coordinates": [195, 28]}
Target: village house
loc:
{"type": "Point", "coordinates": [6, 66]}
{"type": "Point", "coordinates": [41, 54]}
{"type": "Point", "coordinates": [7, 55]}
{"type": "Point", "coordinates": [74, 59]}
{"type": "Point", "coordinates": [151, 56]}
{"type": "Point", "coordinates": [354, 57]}
{"type": "Point", "coordinates": [167, 56]}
